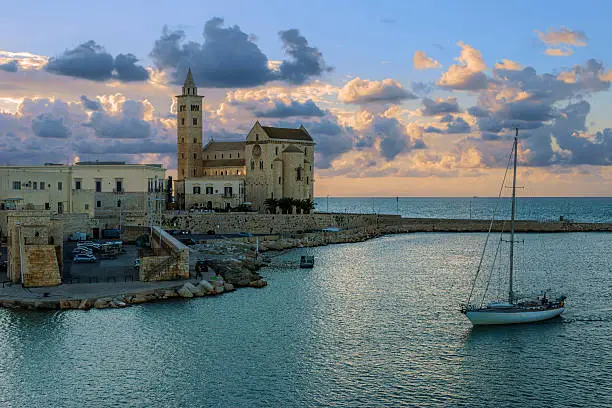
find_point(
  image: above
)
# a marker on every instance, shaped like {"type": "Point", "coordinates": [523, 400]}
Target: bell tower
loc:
{"type": "Point", "coordinates": [189, 130]}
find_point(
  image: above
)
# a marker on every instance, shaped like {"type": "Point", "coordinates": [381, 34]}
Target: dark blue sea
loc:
{"type": "Point", "coordinates": [579, 209]}
{"type": "Point", "coordinates": [373, 324]}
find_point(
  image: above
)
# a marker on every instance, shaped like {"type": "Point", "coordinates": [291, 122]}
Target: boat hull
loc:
{"type": "Point", "coordinates": [490, 317]}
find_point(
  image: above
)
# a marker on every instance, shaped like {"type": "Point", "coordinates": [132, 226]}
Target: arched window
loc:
{"type": "Point", "coordinates": [195, 155]}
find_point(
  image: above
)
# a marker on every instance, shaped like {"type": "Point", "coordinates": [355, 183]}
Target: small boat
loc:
{"type": "Point", "coordinates": [307, 261]}
{"type": "Point", "coordinates": [513, 309]}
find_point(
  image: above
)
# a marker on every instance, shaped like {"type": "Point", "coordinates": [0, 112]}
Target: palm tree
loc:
{"type": "Point", "coordinates": [307, 205]}
{"type": "Point", "coordinates": [286, 205]}
{"type": "Point", "coordinates": [298, 206]}
{"type": "Point", "coordinates": [271, 204]}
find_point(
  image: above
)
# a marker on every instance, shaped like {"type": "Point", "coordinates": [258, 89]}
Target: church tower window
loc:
{"type": "Point", "coordinates": [182, 121]}
{"type": "Point", "coordinates": [195, 121]}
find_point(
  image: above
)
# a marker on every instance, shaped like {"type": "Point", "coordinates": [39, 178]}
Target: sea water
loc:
{"type": "Point", "coordinates": [375, 323]}
{"type": "Point", "coordinates": [579, 209]}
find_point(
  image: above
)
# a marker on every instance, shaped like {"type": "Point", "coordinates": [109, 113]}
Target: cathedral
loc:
{"type": "Point", "coordinates": [270, 163]}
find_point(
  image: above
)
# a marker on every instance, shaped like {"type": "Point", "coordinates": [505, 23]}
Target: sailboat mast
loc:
{"type": "Point", "coordinates": [515, 148]}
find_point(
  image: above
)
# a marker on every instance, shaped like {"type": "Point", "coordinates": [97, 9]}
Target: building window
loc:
{"type": "Point", "coordinates": [272, 166]}
{"type": "Point", "coordinates": [183, 121]}
{"type": "Point", "coordinates": [307, 180]}
{"type": "Point", "coordinates": [256, 136]}
{"type": "Point", "coordinates": [47, 206]}
{"type": "Point", "coordinates": [252, 165]}
{"type": "Point", "coordinates": [182, 155]}
{"type": "Point", "coordinates": [221, 155]}
{"type": "Point", "coordinates": [118, 203]}
{"type": "Point", "coordinates": [230, 155]}
{"type": "Point", "coordinates": [195, 121]}
{"type": "Point", "coordinates": [215, 157]}
{"type": "Point", "coordinates": [195, 156]}
{"type": "Point", "coordinates": [238, 155]}
{"type": "Point", "coordinates": [182, 140]}
{"type": "Point", "coordinates": [98, 186]}
{"type": "Point", "coordinates": [204, 173]}
{"type": "Point", "coordinates": [87, 206]}
{"type": "Point", "coordinates": [207, 157]}
{"type": "Point", "coordinates": [311, 168]}
{"type": "Point", "coordinates": [299, 174]}
{"type": "Point", "coordinates": [119, 186]}
{"type": "Point", "coordinates": [16, 185]}
{"type": "Point", "coordinates": [35, 185]}
{"type": "Point", "coordinates": [59, 185]}
{"type": "Point", "coordinates": [195, 140]}
{"type": "Point", "coordinates": [60, 208]}
{"type": "Point", "coordinates": [195, 108]}
{"type": "Point", "coordinates": [42, 185]}
{"type": "Point", "coordinates": [183, 172]}
{"type": "Point", "coordinates": [279, 180]}
{"type": "Point", "coordinates": [194, 172]}
{"type": "Point", "coordinates": [305, 150]}
{"type": "Point", "coordinates": [98, 204]}
{"type": "Point", "coordinates": [77, 185]}
{"type": "Point", "coordinates": [196, 190]}
{"type": "Point", "coordinates": [209, 190]}
{"type": "Point", "coordinates": [261, 165]}
{"type": "Point", "coordinates": [277, 150]}
{"type": "Point", "coordinates": [188, 91]}
{"type": "Point", "coordinates": [227, 191]}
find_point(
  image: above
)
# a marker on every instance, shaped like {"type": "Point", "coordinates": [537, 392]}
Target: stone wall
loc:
{"type": "Point", "coordinates": [40, 266]}
{"type": "Point", "coordinates": [173, 266]}
{"type": "Point", "coordinates": [269, 223]}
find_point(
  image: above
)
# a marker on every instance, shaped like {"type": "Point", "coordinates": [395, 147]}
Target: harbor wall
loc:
{"type": "Point", "coordinates": [228, 223]}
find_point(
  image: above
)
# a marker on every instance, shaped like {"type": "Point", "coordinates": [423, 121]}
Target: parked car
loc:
{"type": "Point", "coordinates": [84, 258]}
{"type": "Point", "coordinates": [83, 250]}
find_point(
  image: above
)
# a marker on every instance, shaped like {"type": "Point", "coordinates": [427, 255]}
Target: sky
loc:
{"type": "Point", "coordinates": [402, 98]}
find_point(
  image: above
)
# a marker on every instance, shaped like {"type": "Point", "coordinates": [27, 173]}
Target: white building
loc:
{"type": "Point", "coordinates": [95, 188]}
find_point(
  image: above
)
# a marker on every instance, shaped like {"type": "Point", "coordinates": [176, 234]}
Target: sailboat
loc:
{"type": "Point", "coordinates": [513, 309]}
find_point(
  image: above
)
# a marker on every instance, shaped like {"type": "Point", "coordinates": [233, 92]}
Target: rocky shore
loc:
{"type": "Point", "coordinates": [234, 263]}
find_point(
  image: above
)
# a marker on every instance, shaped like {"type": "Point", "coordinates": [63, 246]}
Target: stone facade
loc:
{"type": "Point", "coordinates": [34, 250]}
{"type": "Point", "coordinates": [272, 163]}
{"type": "Point", "coordinates": [172, 261]}
{"type": "Point", "coordinates": [189, 130]}
{"type": "Point", "coordinates": [87, 187]}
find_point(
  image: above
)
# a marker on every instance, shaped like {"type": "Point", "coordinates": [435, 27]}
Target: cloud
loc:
{"type": "Point", "coordinates": [421, 61]}
{"type": "Point", "coordinates": [467, 74]}
{"type": "Point", "coordinates": [508, 64]}
{"type": "Point", "coordinates": [563, 36]}
{"type": "Point", "coordinates": [49, 127]}
{"type": "Point", "coordinates": [284, 110]}
{"type": "Point", "coordinates": [478, 112]}
{"type": "Point", "coordinates": [127, 123]}
{"type": "Point", "coordinates": [458, 126]}
{"type": "Point", "coordinates": [127, 70]}
{"type": "Point", "coordinates": [89, 104]}
{"type": "Point", "coordinates": [90, 61]}
{"type": "Point", "coordinates": [362, 91]}
{"type": "Point", "coordinates": [306, 61]}
{"type": "Point", "coordinates": [423, 88]}
{"type": "Point", "coordinates": [439, 106]}
{"type": "Point", "coordinates": [559, 52]}
{"type": "Point", "coordinates": [25, 60]}
{"type": "Point", "coordinates": [229, 58]}
{"type": "Point", "coordinates": [561, 41]}
{"type": "Point", "coordinates": [390, 137]}
{"type": "Point", "coordinates": [10, 66]}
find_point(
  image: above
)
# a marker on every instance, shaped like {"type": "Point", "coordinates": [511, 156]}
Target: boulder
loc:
{"type": "Point", "coordinates": [69, 304]}
{"type": "Point", "coordinates": [84, 304]}
{"type": "Point", "coordinates": [116, 304]}
{"type": "Point", "coordinates": [206, 284]}
{"type": "Point", "coordinates": [190, 287]}
{"type": "Point", "coordinates": [228, 287]}
{"type": "Point", "coordinates": [102, 303]}
{"type": "Point", "coordinates": [219, 289]}
{"type": "Point", "coordinates": [260, 283]}
{"type": "Point", "coordinates": [200, 291]}
{"type": "Point", "coordinates": [184, 292]}
{"type": "Point", "coordinates": [139, 298]}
